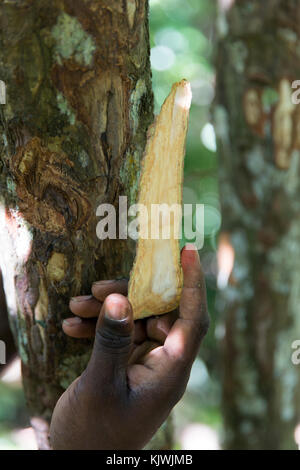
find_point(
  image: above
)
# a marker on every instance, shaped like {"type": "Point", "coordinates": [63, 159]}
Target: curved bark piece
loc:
{"type": "Point", "coordinates": [156, 278]}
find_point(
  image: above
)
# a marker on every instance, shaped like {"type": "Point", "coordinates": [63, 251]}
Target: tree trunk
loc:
{"type": "Point", "coordinates": [257, 126]}
{"type": "Point", "coordinates": [73, 130]}
{"type": "Point", "coordinates": [5, 332]}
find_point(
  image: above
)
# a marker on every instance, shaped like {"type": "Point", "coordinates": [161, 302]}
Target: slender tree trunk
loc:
{"type": "Point", "coordinates": [73, 130]}
{"type": "Point", "coordinates": [258, 126]}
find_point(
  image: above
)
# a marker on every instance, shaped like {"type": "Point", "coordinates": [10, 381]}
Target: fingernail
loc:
{"type": "Point", "coordinates": [116, 310]}
{"type": "Point", "coordinates": [190, 247]}
{"type": "Point", "coordinates": [104, 282]}
{"type": "Point", "coordinates": [72, 321]}
{"type": "Point", "coordinates": [81, 298]}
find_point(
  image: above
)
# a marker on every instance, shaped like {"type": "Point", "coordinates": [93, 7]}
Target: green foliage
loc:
{"type": "Point", "coordinates": [181, 47]}
{"type": "Point", "coordinates": [182, 37]}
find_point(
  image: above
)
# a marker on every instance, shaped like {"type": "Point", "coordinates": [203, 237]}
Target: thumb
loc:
{"type": "Point", "coordinates": [113, 342]}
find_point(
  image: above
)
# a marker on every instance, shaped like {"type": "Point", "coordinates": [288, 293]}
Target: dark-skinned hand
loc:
{"type": "Point", "coordinates": [137, 371]}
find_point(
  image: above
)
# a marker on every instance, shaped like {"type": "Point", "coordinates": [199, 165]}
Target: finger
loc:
{"type": "Point", "coordinates": [187, 332]}
{"type": "Point", "coordinates": [112, 346]}
{"type": "Point", "coordinates": [79, 328]}
{"type": "Point", "coordinates": [159, 327]}
{"type": "Point", "coordinates": [140, 334]}
{"type": "Point", "coordinates": [85, 306]}
{"type": "Point", "coordinates": [138, 355]}
{"type": "Point", "coordinates": [102, 289]}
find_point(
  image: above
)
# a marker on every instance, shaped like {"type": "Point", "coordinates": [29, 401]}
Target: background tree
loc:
{"type": "Point", "coordinates": [73, 131]}
{"type": "Point", "coordinates": [5, 332]}
{"type": "Point", "coordinates": [258, 126]}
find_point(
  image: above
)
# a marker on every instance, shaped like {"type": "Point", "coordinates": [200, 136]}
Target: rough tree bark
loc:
{"type": "Point", "coordinates": [5, 331]}
{"type": "Point", "coordinates": [257, 127]}
{"type": "Point", "coordinates": [73, 130]}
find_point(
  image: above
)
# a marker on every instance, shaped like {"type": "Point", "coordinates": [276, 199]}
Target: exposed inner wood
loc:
{"type": "Point", "coordinates": [156, 278]}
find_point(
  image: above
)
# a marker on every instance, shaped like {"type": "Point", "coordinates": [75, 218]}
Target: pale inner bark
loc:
{"type": "Point", "coordinates": [156, 277]}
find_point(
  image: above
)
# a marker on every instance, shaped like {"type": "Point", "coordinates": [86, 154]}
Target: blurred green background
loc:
{"type": "Point", "coordinates": [182, 41]}
{"type": "Point", "coordinates": [182, 46]}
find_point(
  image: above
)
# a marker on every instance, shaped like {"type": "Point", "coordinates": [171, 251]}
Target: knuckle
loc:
{"type": "Point", "coordinates": [112, 341]}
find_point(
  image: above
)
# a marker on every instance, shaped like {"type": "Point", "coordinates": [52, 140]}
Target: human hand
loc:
{"type": "Point", "coordinates": [137, 371]}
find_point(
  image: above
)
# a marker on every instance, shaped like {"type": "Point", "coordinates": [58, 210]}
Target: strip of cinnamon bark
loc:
{"type": "Point", "coordinates": [156, 277]}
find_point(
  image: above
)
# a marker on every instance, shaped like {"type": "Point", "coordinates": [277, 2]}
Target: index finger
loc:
{"type": "Point", "coordinates": [189, 329]}
{"type": "Point", "coordinates": [103, 289]}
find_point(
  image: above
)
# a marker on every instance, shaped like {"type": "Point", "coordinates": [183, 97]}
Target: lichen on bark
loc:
{"type": "Point", "coordinates": [256, 123]}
